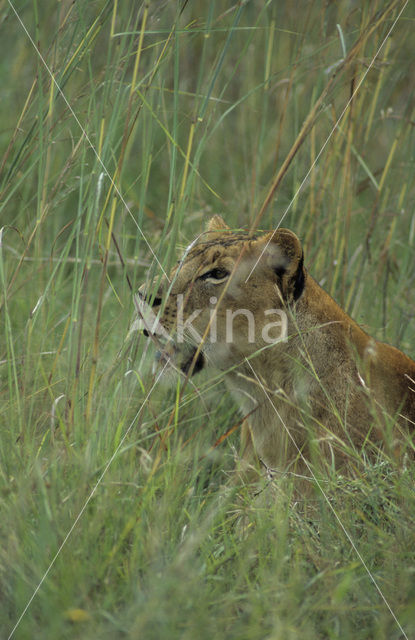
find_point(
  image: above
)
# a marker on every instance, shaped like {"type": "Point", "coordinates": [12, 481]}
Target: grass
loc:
{"type": "Point", "coordinates": [162, 114]}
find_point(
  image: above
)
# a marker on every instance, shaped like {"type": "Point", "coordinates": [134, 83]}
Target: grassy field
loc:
{"type": "Point", "coordinates": [123, 128]}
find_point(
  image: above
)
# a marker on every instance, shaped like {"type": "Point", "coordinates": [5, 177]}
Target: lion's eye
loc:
{"type": "Point", "coordinates": [217, 274]}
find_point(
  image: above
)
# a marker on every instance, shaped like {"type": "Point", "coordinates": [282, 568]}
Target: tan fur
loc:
{"type": "Point", "coordinates": [327, 391]}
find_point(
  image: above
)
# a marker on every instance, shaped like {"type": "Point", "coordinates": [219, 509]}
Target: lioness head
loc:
{"type": "Point", "coordinates": [228, 296]}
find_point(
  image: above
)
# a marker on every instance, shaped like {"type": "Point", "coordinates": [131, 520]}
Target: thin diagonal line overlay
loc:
{"type": "Point", "coordinates": [329, 136]}
{"type": "Point", "coordinates": [161, 372]}
{"type": "Point", "coordinates": [346, 533]}
{"type": "Point", "coordinates": [107, 173]}
{"type": "Point", "coordinates": [86, 503]}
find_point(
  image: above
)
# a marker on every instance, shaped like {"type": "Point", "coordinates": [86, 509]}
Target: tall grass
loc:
{"type": "Point", "coordinates": [123, 127]}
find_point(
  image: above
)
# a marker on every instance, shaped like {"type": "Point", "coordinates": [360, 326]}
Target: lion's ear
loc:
{"type": "Point", "coordinates": [284, 254]}
{"type": "Point", "coordinates": [216, 223]}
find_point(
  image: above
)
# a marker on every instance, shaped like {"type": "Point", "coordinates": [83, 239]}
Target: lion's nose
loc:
{"type": "Point", "coordinates": [156, 301]}
{"type": "Point", "coordinates": [149, 298]}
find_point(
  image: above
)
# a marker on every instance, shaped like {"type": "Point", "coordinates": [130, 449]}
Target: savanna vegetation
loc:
{"type": "Point", "coordinates": [124, 126]}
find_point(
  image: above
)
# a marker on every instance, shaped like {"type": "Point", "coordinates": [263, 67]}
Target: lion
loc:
{"type": "Point", "coordinates": [316, 387]}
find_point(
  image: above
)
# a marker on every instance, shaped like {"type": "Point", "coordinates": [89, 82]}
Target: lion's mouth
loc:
{"type": "Point", "coordinates": [193, 365]}
{"type": "Point", "coordinates": [186, 362]}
